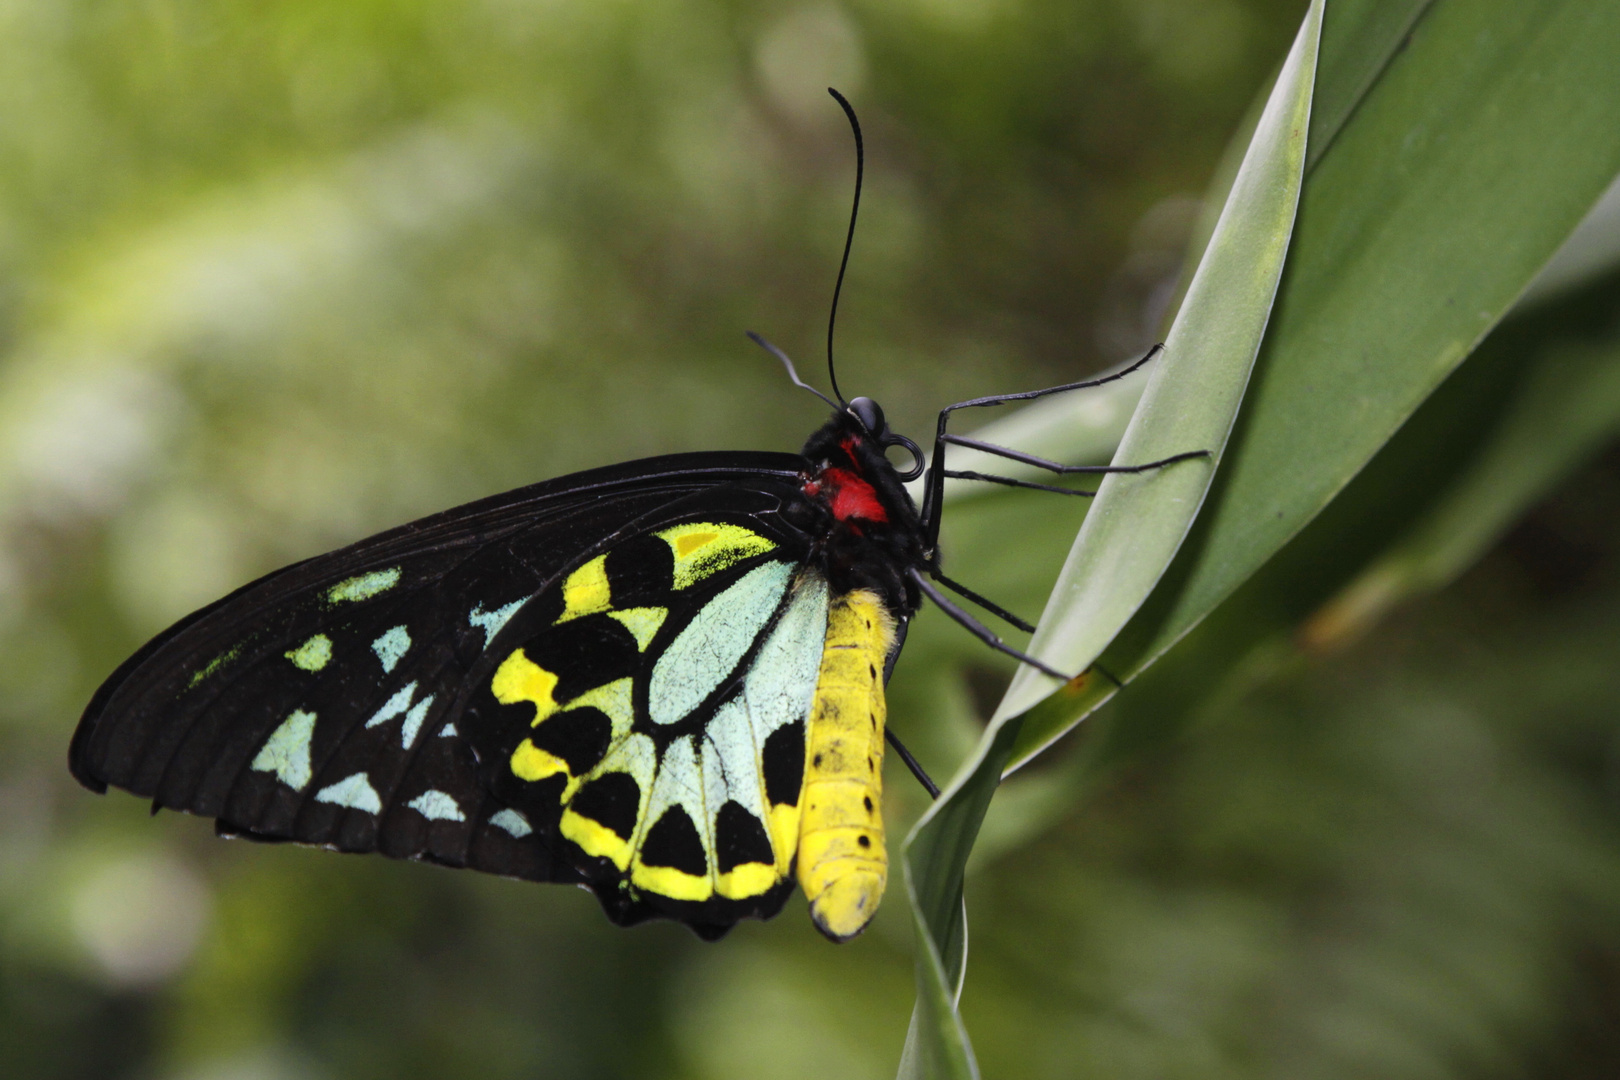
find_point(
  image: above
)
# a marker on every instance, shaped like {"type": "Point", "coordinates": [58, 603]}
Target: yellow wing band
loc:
{"type": "Point", "coordinates": [587, 590]}
{"type": "Point", "coordinates": [842, 863]}
{"type": "Point", "coordinates": [703, 548]}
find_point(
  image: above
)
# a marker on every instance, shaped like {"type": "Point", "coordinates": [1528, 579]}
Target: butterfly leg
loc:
{"type": "Point", "coordinates": [977, 628]}
{"type": "Point", "coordinates": [983, 601]}
{"type": "Point", "coordinates": [911, 763]}
{"type": "Point", "coordinates": [1067, 470]}
{"type": "Point", "coordinates": [934, 485]}
{"type": "Point", "coordinates": [1010, 482]}
{"type": "Point", "coordinates": [1011, 618]}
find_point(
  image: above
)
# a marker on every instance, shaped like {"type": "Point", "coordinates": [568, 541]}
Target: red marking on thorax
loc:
{"type": "Point", "coordinates": [847, 493]}
{"type": "Point", "coordinates": [852, 497]}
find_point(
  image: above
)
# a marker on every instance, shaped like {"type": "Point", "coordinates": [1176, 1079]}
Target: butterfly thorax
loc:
{"type": "Point", "coordinates": [867, 524]}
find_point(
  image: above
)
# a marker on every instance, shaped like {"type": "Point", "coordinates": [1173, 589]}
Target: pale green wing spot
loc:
{"type": "Point", "coordinates": [678, 783]}
{"type": "Point", "coordinates": [778, 689]}
{"type": "Point", "coordinates": [706, 651]}
{"type": "Point", "coordinates": [514, 823]}
{"type": "Point", "coordinates": [731, 768]}
{"type": "Point", "coordinates": [363, 587]}
{"type": "Point", "coordinates": [394, 705]}
{"type": "Point", "coordinates": [286, 751]}
{"type": "Point", "coordinates": [492, 621]}
{"type": "Point", "coordinates": [313, 654]}
{"type": "Point", "coordinates": [637, 756]}
{"type": "Point", "coordinates": [214, 665]}
{"type": "Point", "coordinates": [642, 622]}
{"type": "Point", "coordinates": [413, 721]}
{"type": "Point", "coordinates": [391, 646]}
{"type": "Point", "coordinates": [448, 731]}
{"type": "Point", "coordinates": [435, 805]}
{"type": "Point", "coordinates": [781, 685]}
{"type": "Point", "coordinates": [355, 792]}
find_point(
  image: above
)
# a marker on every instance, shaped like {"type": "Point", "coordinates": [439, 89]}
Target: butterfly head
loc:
{"type": "Point", "coordinates": [868, 414]}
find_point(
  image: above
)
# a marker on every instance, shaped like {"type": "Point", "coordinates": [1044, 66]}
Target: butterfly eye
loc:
{"type": "Point", "coordinates": [870, 414]}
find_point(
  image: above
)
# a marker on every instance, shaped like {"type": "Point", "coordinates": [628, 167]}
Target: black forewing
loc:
{"type": "Point", "coordinates": [185, 718]}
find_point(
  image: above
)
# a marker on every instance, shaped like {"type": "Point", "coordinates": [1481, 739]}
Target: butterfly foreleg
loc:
{"type": "Point", "coordinates": [934, 485]}
{"type": "Point", "coordinates": [1059, 467]}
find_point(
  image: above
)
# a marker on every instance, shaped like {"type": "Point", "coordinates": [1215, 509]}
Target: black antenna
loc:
{"type": "Point", "coordinates": [793, 372]}
{"type": "Point", "coordinates": [860, 169]}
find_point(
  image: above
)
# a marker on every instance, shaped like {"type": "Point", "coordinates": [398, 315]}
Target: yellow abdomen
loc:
{"type": "Point", "coordinates": [842, 864]}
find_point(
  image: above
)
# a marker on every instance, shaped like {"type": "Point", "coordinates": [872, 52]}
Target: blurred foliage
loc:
{"type": "Point", "coordinates": [273, 276]}
{"type": "Point", "coordinates": [1398, 862]}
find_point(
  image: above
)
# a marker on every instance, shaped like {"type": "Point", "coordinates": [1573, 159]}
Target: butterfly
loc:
{"type": "Point", "coordinates": [662, 680]}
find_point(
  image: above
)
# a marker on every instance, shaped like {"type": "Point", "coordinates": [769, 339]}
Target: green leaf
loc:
{"type": "Point", "coordinates": [1565, 408]}
{"type": "Point", "coordinates": [1591, 250]}
{"type": "Point", "coordinates": [1285, 611]}
{"type": "Point", "coordinates": [1360, 39]}
{"type": "Point", "coordinates": [1132, 531]}
{"type": "Point", "coordinates": [934, 859]}
{"type": "Point", "coordinates": [1362, 36]}
{"type": "Point", "coordinates": [1139, 520]}
{"type": "Point", "coordinates": [1469, 160]}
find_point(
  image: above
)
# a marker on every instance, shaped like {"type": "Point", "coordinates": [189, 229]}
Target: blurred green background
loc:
{"type": "Point", "coordinates": [276, 275]}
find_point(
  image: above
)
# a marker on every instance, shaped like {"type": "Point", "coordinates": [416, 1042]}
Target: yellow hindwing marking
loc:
{"type": "Point", "coordinates": [842, 863]}
{"type": "Point", "coordinates": [634, 756]}
{"type": "Point", "coordinates": [642, 622]}
{"type": "Point", "coordinates": [670, 882]}
{"type": "Point", "coordinates": [784, 823]}
{"type": "Point", "coordinates": [529, 762]}
{"type": "Point", "coordinates": [703, 548]}
{"type": "Point", "coordinates": [521, 679]}
{"type": "Point", "coordinates": [586, 590]}
{"type": "Point", "coordinates": [595, 839]}
{"type": "Point", "coordinates": [746, 880]}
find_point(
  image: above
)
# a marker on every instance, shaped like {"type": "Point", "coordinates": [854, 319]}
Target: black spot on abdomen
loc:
{"type": "Point", "coordinates": [739, 837]}
{"type": "Point", "coordinates": [674, 842]}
